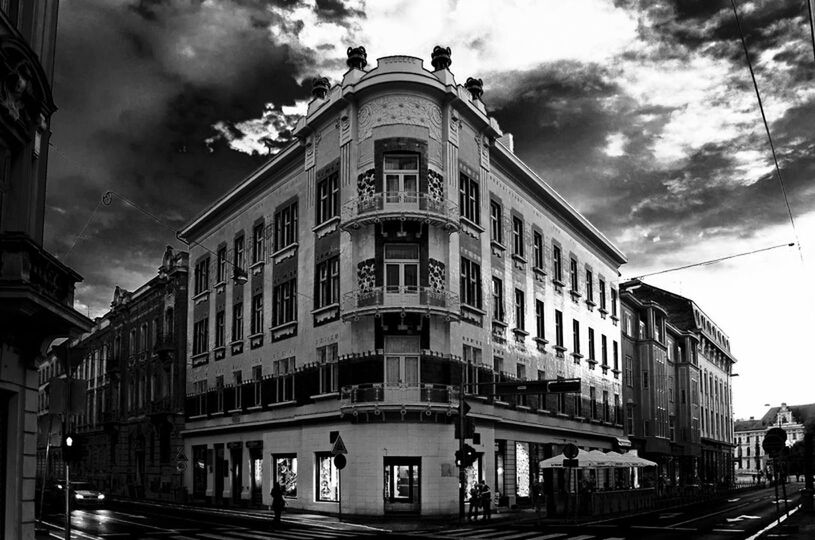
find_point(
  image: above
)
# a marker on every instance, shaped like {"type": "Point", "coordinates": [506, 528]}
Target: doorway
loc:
{"type": "Point", "coordinates": [401, 179]}
{"type": "Point", "coordinates": [220, 472]}
{"type": "Point", "coordinates": [403, 484]}
{"type": "Point", "coordinates": [402, 367]}
{"type": "Point", "coordinates": [256, 462]}
{"type": "Point", "coordinates": [236, 455]}
{"type": "Point", "coordinates": [401, 271]}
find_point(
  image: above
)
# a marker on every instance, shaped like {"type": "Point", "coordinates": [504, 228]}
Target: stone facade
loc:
{"type": "Point", "coordinates": [361, 316]}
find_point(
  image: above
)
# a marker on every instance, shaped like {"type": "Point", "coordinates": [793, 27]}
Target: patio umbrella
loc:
{"type": "Point", "coordinates": [636, 461]}
{"type": "Point", "coordinates": [609, 459]}
{"type": "Point", "coordinates": [585, 461]}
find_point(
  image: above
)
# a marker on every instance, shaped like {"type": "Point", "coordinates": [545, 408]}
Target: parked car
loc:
{"type": "Point", "coordinates": [82, 494]}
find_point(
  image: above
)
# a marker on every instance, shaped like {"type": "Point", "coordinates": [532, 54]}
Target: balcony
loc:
{"type": "Point", "coordinates": [400, 205]}
{"type": "Point", "coordinates": [366, 397]}
{"type": "Point", "coordinates": [378, 300]}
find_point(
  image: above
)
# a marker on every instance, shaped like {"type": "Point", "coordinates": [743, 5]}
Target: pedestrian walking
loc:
{"type": "Point", "coordinates": [486, 499]}
{"type": "Point", "coordinates": [475, 501]}
{"type": "Point", "coordinates": [278, 502]}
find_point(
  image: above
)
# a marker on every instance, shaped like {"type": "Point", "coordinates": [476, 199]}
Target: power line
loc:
{"type": "Point", "coordinates": [811, 25]}
{"type": "Point", "coordinates": [81, 233]}
{"type": "Point", "coordinates": [713, 261]}
{"type": "Point", "coordinates": [767, 128]}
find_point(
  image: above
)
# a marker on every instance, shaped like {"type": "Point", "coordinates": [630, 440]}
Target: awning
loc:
{"type": "Point", "coordinates": [623, 442]}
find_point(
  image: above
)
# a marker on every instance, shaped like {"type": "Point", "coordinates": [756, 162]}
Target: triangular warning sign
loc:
{"type": "Point", "coordinates": [339, 446]}
{"type": "Point", "coordinates": [180, 455]}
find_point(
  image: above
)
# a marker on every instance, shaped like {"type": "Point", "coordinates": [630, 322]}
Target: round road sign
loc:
{"type": "Point", "coordinates": [570, 451]}
{"type": "Point", "coordinates": [181, 466]}
{"type": "Point", "coordinates": [340, 461]}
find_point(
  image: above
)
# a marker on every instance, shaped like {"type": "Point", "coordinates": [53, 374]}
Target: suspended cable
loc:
{"type": "Point", "coordinates": [811, 26]}
{"type": "Point", "coordinates": [81, 233]}
{"type": "Point", "coordinates": [713, 261]}
{"type": "Point", "coordinates": [767, 129]}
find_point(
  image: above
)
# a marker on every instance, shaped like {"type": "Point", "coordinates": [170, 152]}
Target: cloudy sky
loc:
{"type": "Point", "coordinates": [641, 113]}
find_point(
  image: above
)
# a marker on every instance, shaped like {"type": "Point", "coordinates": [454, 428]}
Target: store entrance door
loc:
{"type": "Point", "coordinates": [403, 485]}
{"type": "Point", "coordinates": [218, 480]}
{"type": "Point", "coordinates": [236, 451]}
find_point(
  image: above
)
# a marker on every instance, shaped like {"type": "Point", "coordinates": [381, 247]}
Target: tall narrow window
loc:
{"type": "Point", "coordinates": [497, 299]}
{"type": "Point", "coordinates": [284, 379]}
{"type": "Point", "coordinates": [201, 276]}
{"type": "Point", "coordinates": [604, 350]}
{"type": "Point", "coordinates": [602, 286]}
{"type": "Point", "coordinates": [589, 287]}
{"type": "Point", "coordinates": [237, 321]}
{"type": "Point", "coordinates": [517, 236]}
{"type": "Point", "coordinates": [284, 303]}
{"type": "Point", "coordinates": [327, 482]}
{"type": "Point", "coordinates": [327, 361]}
{"type": "Point", "coordinates": [520, 310]}
{"type": "Point", "coordinates": [220, 271]}
{"type": "Point", "coordinates": [496, 222]}
{"type": "Point", "coordinates": [559, 328]}
{"type": "Point", "coordinates": [200, 336]}
{"type": "Point", "coordinates": [592, 358]}
{"type": "Point", "coordinates": [401, 174]}
{"type": "Point", "coordinates": [328, 282]}
{"type": "Point", "coordinates": [328, 197]}
{"type": "Point", "coordinates": [237, 378]}
{"type": "Point", "coordinates": [285, 222]}
{"type": "Point", "coordinates": [616, 356]}
{"type": "Point", "coordinates": [220, 323]}
{"type": "Point", "coordinates": [469, 199]}
{"type": "Point", "coordinates": [470, 286]}
{"type": "Point", "coordinates": [614, 303]}
{"type": "Point", "coordinates": [573, 274]}
{"type": "Point", "coordinates": [537, 248]}
{"type": "Point", "coordinates": [257, 243]}
{"type": "Point", "coordinates": [557, 264]}
{"type": "Point", "coordinates": [257, 314]}
{"type": "Point", "coordinates": [593, 401]}
{"type": "Point", "coordinates": [575, 336]}
{"type": "Point", "coordinates": [539, 320]}
{"type": "Point", "coordinates": [239, 261]}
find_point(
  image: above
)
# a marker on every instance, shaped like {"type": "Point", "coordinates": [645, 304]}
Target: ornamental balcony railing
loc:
{"type": "Point", "coordinates": [400, 205]}
{"type": "Point", "coordinates": [395, 299]}
{"type": "Point", "coordinates": [399, 395]}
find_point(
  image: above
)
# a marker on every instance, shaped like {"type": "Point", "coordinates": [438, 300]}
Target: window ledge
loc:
{"type": "Point", "coordinates": [201, 297]}
{"type": "Point", "coordinates": [501, 403]}
{"type": "Point", "coordinates": [235, 411]}
{"type": "Point", "coordinates": [220, 286]}
{"type": "Point", "coordinates": [471, 225]}
{"type": "Point", "coordinates": [603, 311]}
{"type": "Point", "coordinates": [520, 332]}
{"type": "Point", "coordinates": [285, 252]}
{"type": "Point", "coordinates": [219, 352]}
{"type": "Point", "coordinates": [558, 282]}
{"type": "Point", "coordinates": [559, 348]}
{"type": "Point", "coordinates": [592, 361]}
{"type": "Point", "coordinates": [497, 245]}
{"type": "Point", "coordinates": [323, 309]}
{"type": "Point", "coordinates": [328, 226]}
{"type": "Point", "coordinates": [519, 258]}
{"type": "Point", "coordinates": [498, 322]}
{"type": "Point", "coordinates": [577, 355]}
{"type": "Point", "coordinates": [283, 326]}
{"type": "Point", "coordinates": [254, 408]}
{"type": "Point", "coordinates": [523, 407]}
{"type": "Point", "coordinates": [256, 267]}
{"type": "Point", "coordinates": [319, 397]}
{"type": "Point", "coordinates": [591, 303]}
{"type": "Point", "coordinates": [575, 294]}
{"type": "Point", "coordinates": [540, 340]}
{"type": "Point", "coordinates": [473, 309]}
{"type": "Point", "coordinates": [280, 404]}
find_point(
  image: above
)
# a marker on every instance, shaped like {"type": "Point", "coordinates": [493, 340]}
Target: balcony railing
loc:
{"type": "Point", "coordinates": [398, 395]}
{"type": "Point", "coordinates": [401, 205]}
{"type": "Point", "coordinates": [397, 299]}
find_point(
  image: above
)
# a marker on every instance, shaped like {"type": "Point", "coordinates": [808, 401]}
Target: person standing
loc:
{"type": "Point", "coordinates": [475, 501]}
{"type": "Point", "coordinates": [278, 502]}
{"type": "Point", "coordinates": [486, 499]}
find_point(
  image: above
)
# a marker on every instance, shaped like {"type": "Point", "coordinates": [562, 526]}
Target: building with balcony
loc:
{"type": "Point", "coordinates": [749, 455]}
{"type": "Point", "coordinates": [677, 389]}
{"type": "Point", "coordinates": [133, 365]}
{"type": "Point", "coordinates": [396, 253]}
{"type": "Point", "coordinates": [36, 290]}
{"type": "Point", "coordinates": [49, 426]}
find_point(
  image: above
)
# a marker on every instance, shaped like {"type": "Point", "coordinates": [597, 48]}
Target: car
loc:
{"type": "Point", "coordinates": [82, 494]}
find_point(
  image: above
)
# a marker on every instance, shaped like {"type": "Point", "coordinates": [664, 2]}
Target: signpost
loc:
{"type": "Point", "coordinates": [338, 450]}
{"type": "Point", "coordinates": [774, 441]}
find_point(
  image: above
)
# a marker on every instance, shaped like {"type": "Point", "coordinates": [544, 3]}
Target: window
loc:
{"type": "Point", "coordinates": [520, 310]}
{"type": "Point", "coordinates": [601, 284]}
{"type": "Point", "coordinates": [327, 360]}
{"type": "Point", "coordinates": [285, 471]}
{"type": "Point", "coordinates": [540, 325]}
{"type": "Point", "coordinates": [401, 179]}
{"type": "Point", "coordinates": [589, 287]}
{"type": "Point", "coordinates": [202, 276]}
{"type": "Point", "coordinates": [472, 359]}
{"type": "Point", "coordinates": [401, 268]}
{"type": "Point", "coordinates": [616, 356]}
{"type": "Point", "coordinates": [573, 274]}
{"type": "Point", "coordinates": [469, 199]}
{"type": "Point", "coordinates": [592, 357]}
{"type": "Point", "coordinates": [614, 303]}
{"type": "Point", "coordinates": [238, 253]}
{"type": "Point", "coordinates": [328, 197]}
{"type": "Point", "coordinates": [497, 365]}
{"type": "Point", "coordinates": [220, 328]}
{"type": "Point", "coordinates": [557, 263]}
{"type": "Point", "coordinates": [285, 221]}
{"type": "Point", "coordinates": [237, 321]}
{"type": "Point", "coordinates": [496, 222]}
{"type": "Point", "coordinates": [517, 236]}
{"type": "Point", "coordinates": [537, 249]}
{"type": "Point", "coordinates": [219, 395]}
{"type": "Point", "coordinates": [256, 326]}
{"type": "Point", "coordinates": [645, 379]}
{"type": "Point", "coordinates": [328, 478]}
{"type": "Point", "coordinates": [628, 324]}
{"type": "Point", "coordinates": [604, 350]}
{"type": "Point", "coordinates": [629, 420]}
{"type": "Point", "coordinates": [285, 303]}
{"type": "Point", "coordinates": [575, 336]}
{"type": "Point", "coordinates": [558, 328]}
{"type": "Point", "coordinates": [220, 271]}
{"type": "Point", "coordinates": [257, 243]}
{"type": "Point", "coordinates": [257, 376]}
{"type": "Point", "coordinates": [593, 400]}
{"type": "Point", "coordinates": [606, 412]}
{"type": "Point", "coordinates": [328, 282]}
{"type": "Point", "coordinates": [470, 283]}
{"type": "Point", "coordinates": [237, 378]}
{"type": "Point", "coordinates": [497, 299]}
{"type": "Point", "coordinates": [284, 379]}
{"type": "Point", "coordinates": [200, 336]}
{"type": "Point", "coordinates": [561, 399]}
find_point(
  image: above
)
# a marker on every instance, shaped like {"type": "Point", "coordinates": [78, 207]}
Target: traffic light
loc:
{"type": "Point", "coordinates": [71, 450]}
{"type": "Point", "coordinates": [459, 458]}
{"type": "Point", "coordinates": [470, 456]}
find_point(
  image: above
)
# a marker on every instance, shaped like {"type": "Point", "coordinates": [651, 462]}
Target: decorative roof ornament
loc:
{"type": "Point", "coordinates": [475, 87]}
{"type": "Point", "coordinates": [320, 87]}
{"type": "Point", "coordinates": [440, 57]}
{"type": "Point", "coordinates": [357, 57]}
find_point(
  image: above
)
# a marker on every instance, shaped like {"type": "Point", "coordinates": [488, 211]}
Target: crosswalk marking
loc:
{"type": "Point", "coordinates": [581, 537]}
{"type": "Point", "coordinates": [549, 536]}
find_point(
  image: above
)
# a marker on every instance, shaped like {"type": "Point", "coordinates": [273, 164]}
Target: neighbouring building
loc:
{"type": "Point", "coordinates": [749, 455]}
{"type": "Point", "coordinates": [677, 389]}
{"type": "Point", "coordinates": [133, 365]}
{"type": "Point", "coordinates": [347, 284]}
{"type": "Point", "coordinates": [36, 290]}
{"type": "Point", "coordinates": [49, 426]}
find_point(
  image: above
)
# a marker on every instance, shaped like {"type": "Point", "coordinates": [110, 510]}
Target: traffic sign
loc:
{"type": "Point", "coordinates": [339, 446]}
{"type": "Point", "coordinates": [181, 466]}
{"type": "Point", "coordinates": [180, 455]}
{"type": "Point", "coordinates": [570, 451]}
{"type": "Point", "coordinates": [570, 463]}
{"type": "Point", "coordinates": [774, 441]}
{"type": "Point", "coordinates": [340, 461]}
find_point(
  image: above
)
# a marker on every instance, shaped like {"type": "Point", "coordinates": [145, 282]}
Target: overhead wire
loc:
{"type": "Point", "coordinates": [81, 234]}
{"type": "Point", "coordinates": [712, 261]}
{"type": "Point", "coordinates": [811, 25]}
{"type": "Point", "coordinates": [767, 129]}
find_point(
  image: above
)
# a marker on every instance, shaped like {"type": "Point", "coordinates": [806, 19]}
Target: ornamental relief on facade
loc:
{"type": "Point", "coordinates": [400, 110]}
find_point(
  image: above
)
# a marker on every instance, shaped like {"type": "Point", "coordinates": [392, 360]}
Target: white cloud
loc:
{"type": "Point", "coordinates": [615, 143]}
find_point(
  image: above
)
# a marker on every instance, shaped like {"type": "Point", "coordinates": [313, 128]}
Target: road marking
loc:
{"type": "Point", "coordinates": [581, 537]}
{"type": "Point", "coordinates": [774, 523]}
{"type": "Point", "coordinates": [670, 515]}
{"type": "Point", "coordinates": [510, 536]}
{"type": "Point", "coordinates": [734, 500]}
{"type": "Point", "coordinates": [549, 536]}
{"type": "Point", "coordinates": [728, 530]}
{"type": "Point", "coordinates": [742, 518]}
{"type": "Point", "coordinates": [666, 528]}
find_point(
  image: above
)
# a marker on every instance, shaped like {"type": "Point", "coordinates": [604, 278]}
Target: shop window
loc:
{"type": "Point", "coordinates": [285, 472]}
{"type": "Point", "coordinates": [328, 481]}
{"type": "Point", "coordinates": [522, 471]}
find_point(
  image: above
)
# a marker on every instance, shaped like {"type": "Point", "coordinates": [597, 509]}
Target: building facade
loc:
{"type": "Point", "coordinates": [351, 285]}
{"type": "Point", "coordinates": [677, 388]}
{"type": "Point", "coordinates": [36, 290]}
{"type": "Point", "coordinates": [49, 426]}
{"type": "Point", "coordinates": [133, 365]}
{"type": "Point", "coordinates": [749, 455]}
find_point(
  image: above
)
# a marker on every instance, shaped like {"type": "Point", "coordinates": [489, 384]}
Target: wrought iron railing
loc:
{"type": "Point", "coordinates": [410, 298]}
{"type": "Point", "coordinates": [397, 394]}
{"type": "Point", "coordinates": [400, 204]}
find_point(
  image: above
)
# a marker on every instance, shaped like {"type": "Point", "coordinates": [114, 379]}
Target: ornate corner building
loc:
{"type": "Point", "coordinates": [36, 290]}
{"type": "Point", "coordinates": [398, 251]}
{"type": "Point", "coordinates": [677, 389]}
{"type": "Point", "coordinates": [133, 363]}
